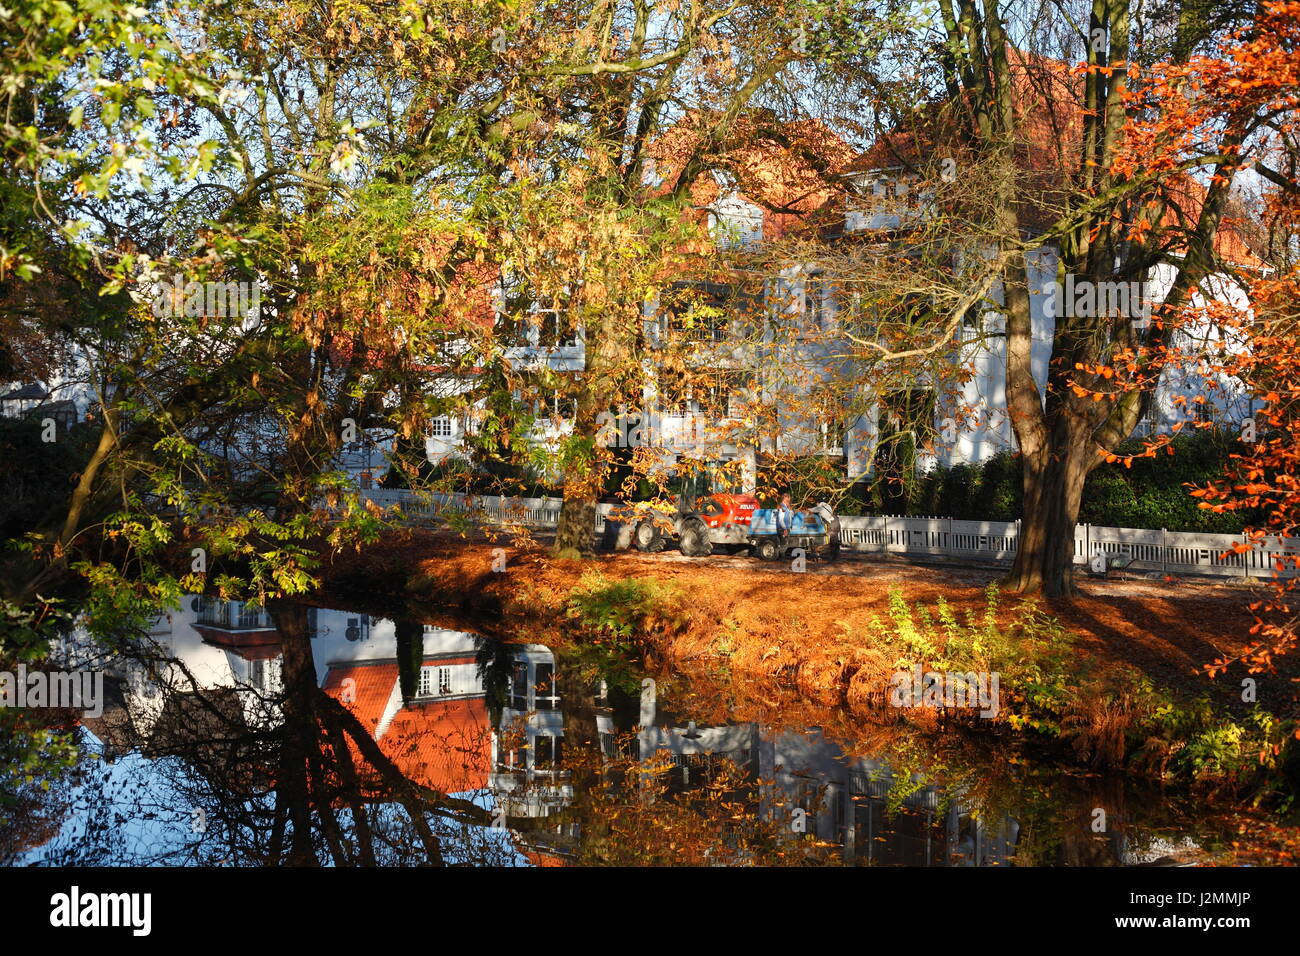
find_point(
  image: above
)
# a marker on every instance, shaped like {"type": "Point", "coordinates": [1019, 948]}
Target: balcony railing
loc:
{"type": "Point", "coordinates": [233, 616]}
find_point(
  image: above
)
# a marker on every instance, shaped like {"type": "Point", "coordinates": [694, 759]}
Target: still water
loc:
{"type": "Point", "coordinates": [320, 736]}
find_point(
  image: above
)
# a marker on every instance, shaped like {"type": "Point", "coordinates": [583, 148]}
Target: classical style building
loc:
{"type": "Point", "coordinates": [775, 368]}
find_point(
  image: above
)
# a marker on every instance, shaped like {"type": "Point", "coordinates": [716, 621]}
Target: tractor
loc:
{"type": "Point", "coordinates": [727, 521]}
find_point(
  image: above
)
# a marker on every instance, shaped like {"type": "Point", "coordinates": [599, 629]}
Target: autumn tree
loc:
{"type": "Point", "coordinates": [1037, 106]}
{"type": "Point", "coordinates": [657, 102]}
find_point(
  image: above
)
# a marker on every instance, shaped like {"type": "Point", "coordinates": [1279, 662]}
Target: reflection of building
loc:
{"type": "Point", "coordinates": [32, 400]}
{"type": "Point", "coordinates": [835, 797]}
{"type": "Point", "coordinates": [249, 638]}
{"type": "Point", "coordinates": [425, 698]}
{"type": "Point", "coordinates": [528, 750]}
{"type": "Point", "coordinates": [436, 730]}
{"type": "Point", "coordinates": [207, 650]}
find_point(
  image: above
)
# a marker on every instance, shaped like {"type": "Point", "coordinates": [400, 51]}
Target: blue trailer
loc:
{"type": "Point", "coordinates": [807, 531]}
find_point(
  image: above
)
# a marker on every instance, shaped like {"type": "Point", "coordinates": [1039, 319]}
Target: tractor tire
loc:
{"type": "Point", "coordinates": [649, 539]}
{"type": "Point", "coordinates": [767, 550]}
{"type": "Point", "coordinates": [695, 541]}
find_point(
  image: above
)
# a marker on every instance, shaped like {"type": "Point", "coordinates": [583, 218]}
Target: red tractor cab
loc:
{"type": "Point", "coordinates": [707, 516]}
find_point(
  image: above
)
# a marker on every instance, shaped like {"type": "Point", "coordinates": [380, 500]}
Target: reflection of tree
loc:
{"type": "Point", "coordinates": [494, 662]}
{"type": "Point", "coordinates": [30, 815]}
{"type": "Point", "coordinates": [410, 655]}
{"type": "Point", "coordinates": [312, 786]}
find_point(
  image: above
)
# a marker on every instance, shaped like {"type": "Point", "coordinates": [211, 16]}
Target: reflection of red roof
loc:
{"type": "Point", "coordinates": [537, 858]}
{"type": "Point", "coordinates": [443, 744]}
{"type": "Point", "coordinates": [371, 688]}
{"type": "Point", "coordinates": [446, 745]}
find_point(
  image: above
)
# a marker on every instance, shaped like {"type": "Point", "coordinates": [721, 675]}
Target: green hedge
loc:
{"type": "Point", "coordinates": [1150, 494]}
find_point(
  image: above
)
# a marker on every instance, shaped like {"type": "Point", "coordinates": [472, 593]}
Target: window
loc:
{"type": "Point", "coordinates": [547, 752]}
{"type": "Point", "coordinates": [817, 305]}
{"type": "Point", "coordinates": [832, 434]}
{"type": "Point", "coordinates": [701, 312]}
{"type": "Point", "coordinates": [528, 317]}
{"type": "Point", "coordinates": [252, 617]}
{"type": "Point", "coordinates": [442, 427]}
{"type": "Point", "coordinates": [724, 394]}
{"type": "Point", "coordinates": [671, 392]}
{"type": "Point", "coordinates": [434, 681]}
{"type": "Point", "coordinates": [554, 332]}
{"type": "Point", "coordinates": [546, 697]}
{"type": "Point", "coordinates": [556, 405]}
{"type": "Point", "coordinates": [519, 685]}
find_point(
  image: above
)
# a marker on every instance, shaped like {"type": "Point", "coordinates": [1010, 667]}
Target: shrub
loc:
{"type": "Point", "coordinates": [1110, 714]}
{"type": "Point", "coordinates": [1151, 493]}
{"type": "Point", "coordinates": [614, 617]}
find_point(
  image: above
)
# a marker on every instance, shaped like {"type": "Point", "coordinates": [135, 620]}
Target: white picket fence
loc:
{"type": "Point", "coordinates": [1169, 552]}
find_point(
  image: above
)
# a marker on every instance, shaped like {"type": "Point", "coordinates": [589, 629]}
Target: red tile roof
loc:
{"type": "Point", "coordinates": [1047, 102]}
{"type": "Point", "coordinates": [442, 744]}
{"type": "Point", "coordinates": [446, 745]}
{"type": "Point", "coordinates": [372, 688]}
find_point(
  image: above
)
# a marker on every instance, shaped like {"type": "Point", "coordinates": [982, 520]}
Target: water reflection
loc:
{"type": "Point", "coordinates": [306, 736]}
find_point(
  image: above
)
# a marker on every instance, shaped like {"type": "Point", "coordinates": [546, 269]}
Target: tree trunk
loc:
{"type": "Point", "coordinates": [300, 735]}
{"type": "Point", "coordinates": [584, 475]}
{"type": "Point", "coordinates": [585, 464]}
{"type": "Point", "coordinates": [1053, 492]}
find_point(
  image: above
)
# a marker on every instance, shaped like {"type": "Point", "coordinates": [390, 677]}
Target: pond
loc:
{"type": "Point", "coordinates": [323, 736]}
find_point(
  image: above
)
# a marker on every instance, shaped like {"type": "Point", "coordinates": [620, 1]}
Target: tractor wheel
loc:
{"type": "Point", "coordinates": [767, 550]}
{"type": "Point", "coordinates": [648, 538]}
{"type": "Point", "coordinates": [695, 541]}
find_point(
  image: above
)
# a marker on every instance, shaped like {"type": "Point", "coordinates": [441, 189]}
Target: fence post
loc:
{"type": "Point", "coordinates": [1164, 553]}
